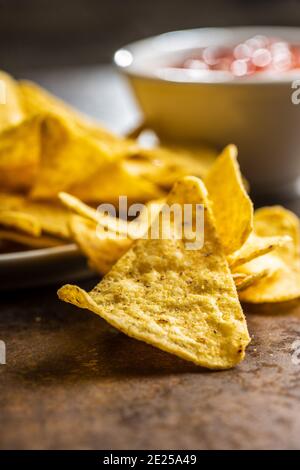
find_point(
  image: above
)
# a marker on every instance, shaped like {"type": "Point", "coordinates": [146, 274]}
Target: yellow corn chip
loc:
{"type": "Point", "coordinates": [36, 100]}
{"type": "Point", "coordinates": [68, 156]}
{"type": "Point", "coordinates": [254, 247]}
{"type": "Point", "coordinates": [165, 165]}
{"type": "Point", "coordinates": [102, 250]}
{"type": "Point", "coordinates": [104, 247]}
{"type": "Point", "coordinates": [283, 283]}
{"type": "Point", "coordinates": [232, 207]}
{"type": "Point", "coordinates": [19, 155]}
{"type": "Point", "coordinates": [11, 110]}
{"type": "Point", "coordinates": [21, 221]}
{"type": "Point", "coordinates": [243, 280]}
{"type": "Point", "coordinates": [46, 217]}
{"type": "Point", "coordinates": [113, 181]}
{"type": "Point", "coordinates": [182, 301]}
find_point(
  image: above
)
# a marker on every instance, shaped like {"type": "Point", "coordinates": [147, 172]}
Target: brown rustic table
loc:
{"type": "Point", "coordinates": [72, 381]}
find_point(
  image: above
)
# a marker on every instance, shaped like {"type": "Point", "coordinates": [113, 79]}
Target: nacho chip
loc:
{"type": "Point", "coordinates": [116, 180]}
{"type": "Point", "coordinates": [19, 155]}
{"type": "Point", "coordinates": [102, 251]}
{"type": "Point", "coordinates": [110, 223]}
{"type": "Point", "coordinates": [243, 280]}
{"type": "Point", "coordinates": [37, 100]}
{"type": "Point", "coordinates": [49, 217]}
{"type": "Point", "coordinates": [284, 262]}
{"type": "Point", "coordinates": [21, 221]}
{"type": "Point", "coordinates": [165, 165]}
{"type": "Point", "coordinates": [182, 301]}
{"type": "Point", "coordinates": [104, 247]}
{"type": "Point", "coordinates": [113, 224]}
{"type": "Point", "coordinates": [232, 207]}
{"type": "Point", "coordinates": [69, 156]}
{"type": "Point", "coordinates": [11, 109]}
{"type": "Point", "coordinates": [30, 241]}
{"type": "Point", "coordinates": [254, 247]}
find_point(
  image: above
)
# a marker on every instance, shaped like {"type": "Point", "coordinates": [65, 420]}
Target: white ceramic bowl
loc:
{"type": "Point", "coordinates": [255, 113]}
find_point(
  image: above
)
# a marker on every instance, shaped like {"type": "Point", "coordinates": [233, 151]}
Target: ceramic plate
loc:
{"type": "Point", "coordinates": [42, 266]}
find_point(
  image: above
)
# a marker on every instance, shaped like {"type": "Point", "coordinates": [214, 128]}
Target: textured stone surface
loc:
{"type": "Point", "coordinates": [71, 381]}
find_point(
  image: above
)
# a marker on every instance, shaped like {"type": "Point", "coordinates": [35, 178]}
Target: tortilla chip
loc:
{"type": "Point", "coordinates": [116, 180]}
{"type": "Point", "coordinates": [243, 280]}
{"type": "Point", "coordinates": [112, 224]}
{"type": "Point", "coordinates": [43, 241]}
{"type": "Point", "coordinates": [165, 165]}
{"type": "Point", "coordinates": [284, 262]}
{"type": "Point", "coordinates": [232, 207]}
{"type": "Point", "coordinates": [37, 100]}
{"type": "Point", "coordinates": [49, 217]}
{"type": "Point", "coordinates": [182, 301]}
{"type": "Point", "coordinates": [254, 247]}
{"type": "Point", "coordinates": [10, 104]}
{"type": "Point", "coordinates": [104, 247]}
{"type": "Point", "coordinates": [19, 155]}
{"type": "Point", "coordinates": [21, 221]}
{"type": "Point", "coordinates": [102, 251]}
{"type": "Point", "coordinates": [69, 156]}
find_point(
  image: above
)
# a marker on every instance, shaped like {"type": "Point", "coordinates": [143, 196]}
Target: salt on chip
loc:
{"type": "Point", "coordinates": [232, 207]}
{"type": "Point", "coordinates": [283, 284]}
{"type": "Point", "coordinates": [182, 301]}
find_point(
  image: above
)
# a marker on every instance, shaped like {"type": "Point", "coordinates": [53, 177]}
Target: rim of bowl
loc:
{"type": "Point", "coordinates": [130, 58]}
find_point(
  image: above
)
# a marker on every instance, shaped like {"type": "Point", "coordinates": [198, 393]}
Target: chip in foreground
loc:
{"type": "Point", "coordinates": [179, 300]}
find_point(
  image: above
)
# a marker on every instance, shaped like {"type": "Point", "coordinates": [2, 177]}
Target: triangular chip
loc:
{"type": "Point", "coordinates": [283, 283]}
{"type": "Point", "coordinates": [232, 207]}
{"type": "Point", "coordinates": [179, 300]}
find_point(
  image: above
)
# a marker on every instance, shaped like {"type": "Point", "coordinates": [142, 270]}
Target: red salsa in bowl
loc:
{"type": "Point", "coordinates": [253, 56]}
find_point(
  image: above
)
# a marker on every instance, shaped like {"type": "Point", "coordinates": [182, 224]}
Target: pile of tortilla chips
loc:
{"type": "Point", "coordinates": [184, 301]}
{"type": "Point", "coordinates": [56, 166]}
{"type": "Point", "coordinates": [47, 147]}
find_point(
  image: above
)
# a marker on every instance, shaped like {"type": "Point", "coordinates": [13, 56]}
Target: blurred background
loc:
{"type": "Point", "coordinates": [52, 33]}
